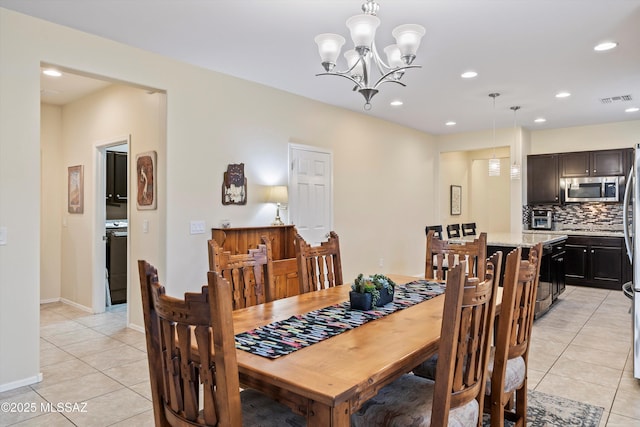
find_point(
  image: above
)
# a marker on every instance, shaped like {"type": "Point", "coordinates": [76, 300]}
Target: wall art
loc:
{"type": "Point", "coordinates": [234, 185]}
{"type": "Point", "coordinates": [456, 200]}
{"type": "Point", "coordinates": [75, 188]}
{"type": "Point", "coordinates": [147, 189]}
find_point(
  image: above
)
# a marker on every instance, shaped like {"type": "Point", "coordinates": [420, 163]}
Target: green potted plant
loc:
{"type": "Point", "coordinates": [371, 291]}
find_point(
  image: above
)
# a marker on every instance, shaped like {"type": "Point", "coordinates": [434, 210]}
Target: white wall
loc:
{"type": "Point", "coordinates": [384, 175]}
{"type": "Point", "coordinates": [53, 201]}
{"type": "Point", "coordinates": [586, 138]}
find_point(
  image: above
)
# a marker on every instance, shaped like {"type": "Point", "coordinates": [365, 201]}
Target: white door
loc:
{"type": "Point", "coordinates": [310, 185]}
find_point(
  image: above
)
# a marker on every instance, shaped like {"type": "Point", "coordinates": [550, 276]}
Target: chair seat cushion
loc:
{"type": "Point", "coordinates": [407, 402]}
{"type": "Point", "coordinates": [260, 410]}
{"type": "Point", "coordinates": [514, 374]}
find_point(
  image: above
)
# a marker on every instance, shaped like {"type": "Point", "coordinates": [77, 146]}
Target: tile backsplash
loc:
{"type": "Point", "coordinates": [607, 215]}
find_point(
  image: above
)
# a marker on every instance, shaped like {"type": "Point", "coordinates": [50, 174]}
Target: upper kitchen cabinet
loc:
{"type": "Point", "coordinates": [543, 183]}
{"type": "Point", "coordinates": [593, 163]}
{"type": "Point", "coordinates": [116, 177]}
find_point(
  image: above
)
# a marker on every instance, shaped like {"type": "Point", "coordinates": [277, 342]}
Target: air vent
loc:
{"type": "Point", "coordinates": [616, 99]}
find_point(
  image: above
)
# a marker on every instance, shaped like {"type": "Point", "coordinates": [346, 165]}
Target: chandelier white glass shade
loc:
{"type": "Point", "coordinates": [364, 54]}
{"type": "Point", "coordinates": [494, 163]}
{"type": "Point", "coordinates": [515, 167]}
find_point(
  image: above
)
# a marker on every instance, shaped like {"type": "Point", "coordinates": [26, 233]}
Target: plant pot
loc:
{"type": "Point", "coordinates": [386, 297]}
{"type": "Point", "coordinates": [360, 301]}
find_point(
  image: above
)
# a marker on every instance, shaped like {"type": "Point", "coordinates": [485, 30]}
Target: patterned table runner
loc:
{"type": "Point", "coordinates": [299, 331]}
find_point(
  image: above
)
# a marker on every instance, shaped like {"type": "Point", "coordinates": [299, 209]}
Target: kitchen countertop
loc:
{"type": "Point", "coordinates": [524, 240]}
{"type": "Point", "coordinates": [584, 232]}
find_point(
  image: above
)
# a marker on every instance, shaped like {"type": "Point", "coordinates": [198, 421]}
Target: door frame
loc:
{"type": "Point", "coordinates": [293, 195]}
{"type": "Point", "coordinates": [99, 231]}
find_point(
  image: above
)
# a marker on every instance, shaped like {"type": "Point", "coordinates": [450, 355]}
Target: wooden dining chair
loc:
{"type": "Point", "coordinates": [436, 228]}
{"type": "Point", "coordinates": [191, 384]}
{"type": "Point", "coordinates": [456, 396]}
{"type": "Point", "coordinates": [250, 275]}
{"type": "Point", "coordinates": [442, 255]}
{"type": "Point", "coordinates": [453, 231]}
{"type": "Point", "coordinates": [319, 267]}
{"type": "Point", "coordinates": [469, 229]}
{"type": "Point", "coordinates": [509, 362]}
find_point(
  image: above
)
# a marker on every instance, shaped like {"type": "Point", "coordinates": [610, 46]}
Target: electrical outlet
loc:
{"type": "Point", "coordinates": [3, 236]}
{"type": "Point", "coordinates": [145, 226]}
{"type": "Point", "coordinates": [197, 227]}
{"type": "Point", "coordinates": [381, 262]}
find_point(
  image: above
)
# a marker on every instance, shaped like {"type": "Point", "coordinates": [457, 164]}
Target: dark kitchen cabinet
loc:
{"type": "Point", "coordinates": [593, 163]}
{"type": "Point", "coordinates": [116, 177]}
{"type": "Point", "coordinates": [543, 183]}
{"type": "Point", "coordinates": [594, 261]}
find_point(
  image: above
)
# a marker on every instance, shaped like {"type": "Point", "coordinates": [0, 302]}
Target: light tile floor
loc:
{"type": "Point", "coordinates": [580, 350]}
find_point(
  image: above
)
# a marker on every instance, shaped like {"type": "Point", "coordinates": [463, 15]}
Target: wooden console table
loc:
{"type": "Point", "coordinates": [285, 269]}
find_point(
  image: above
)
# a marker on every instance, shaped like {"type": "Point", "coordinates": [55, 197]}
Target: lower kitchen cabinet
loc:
{"type": "Point", "coordinates": [595, 261]}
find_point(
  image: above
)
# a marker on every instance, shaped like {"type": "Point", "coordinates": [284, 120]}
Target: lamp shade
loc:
{"type": "Point", "coordinates": [408, 37]}
{"type": "Point", "coordinates": [394, 57]}
{"type": "Point", "coordinates": [278, 194]}
{"type": "Point", "coordinates": [355, 65]}
{"type": "Point", "coordinates": [329, 46]}
{"type": "Point", "coordinates": [363, 29]}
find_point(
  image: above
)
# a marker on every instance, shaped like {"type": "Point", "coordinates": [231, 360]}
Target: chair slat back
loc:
{"type": "Point", "coordinates": [442, 253]}
{"type": "Point", "coordinates": [171, 325]}
{"type": "Point", "coordinates": [465, 338]}
{"type": "Point", "coordinates": [319, 267]}
{"type": "Point", "coordinates": [518, 308]}
{"type": "Point", "coordinates": [250, 275]}
{"type": "Point", "coordinates": [453, 231]}
{"type": "Point", "coordinates": [436, 228]}
{"type": "Point", "coordinates": [469, 229]}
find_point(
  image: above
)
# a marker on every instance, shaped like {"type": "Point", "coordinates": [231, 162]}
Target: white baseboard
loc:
{"type": "Point", "coordinates": [50, 300]}
{"type": "Point", "coordinates": [21, 383]}
{"type": "Point", "coordinates": [136, 327]}
{"type": "Point", "coordinates": [76, 305]}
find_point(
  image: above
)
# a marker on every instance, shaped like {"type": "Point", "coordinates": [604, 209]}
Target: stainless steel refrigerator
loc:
{"type": "Point", "coordinates": [631, 218]}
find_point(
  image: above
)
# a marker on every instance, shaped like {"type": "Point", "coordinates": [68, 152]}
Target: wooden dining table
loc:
{"type": "Point", "coordinates": [331, 379]}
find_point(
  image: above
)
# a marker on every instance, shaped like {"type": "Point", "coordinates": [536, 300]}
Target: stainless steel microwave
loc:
{"type": "Point", "coordinates": [592, 189]}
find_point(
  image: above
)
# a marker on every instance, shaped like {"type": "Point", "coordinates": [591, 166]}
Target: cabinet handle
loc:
{"type": "Point", "coordinates": [584, 250]}
{"type": "Point", "coordinates": [586, 171]}
{"type": "Point", "coordinates": [594, 171]}
{"type": "Point", "coordinates": [592, 251]}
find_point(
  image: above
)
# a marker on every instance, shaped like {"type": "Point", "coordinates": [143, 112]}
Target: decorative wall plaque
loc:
{"type": "Point", "coordinates": [75, 189]}
{"type": "Point", "coordinates": [234, 185]}
{"type": "Point", "coordinates": [146, 178]}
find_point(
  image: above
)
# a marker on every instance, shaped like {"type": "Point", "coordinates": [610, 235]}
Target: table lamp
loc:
{"type": "Point", "coordinates": [278, 194]}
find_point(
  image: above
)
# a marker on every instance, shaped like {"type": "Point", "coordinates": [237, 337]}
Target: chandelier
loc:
{"type": "Point", "coordinates": [360, 59]}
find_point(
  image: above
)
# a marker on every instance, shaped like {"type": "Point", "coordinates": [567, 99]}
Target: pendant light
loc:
{"type": "Point", "coordinates": [515, 167]}
{"type": "Point", "coordinates": [494, 163]}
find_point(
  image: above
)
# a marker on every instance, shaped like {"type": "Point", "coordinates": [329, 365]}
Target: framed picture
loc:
{"type": "Point", "coordinates": [456, 200]}
{"type": "Point", "coordinates": [75, 188]}
{"type": "Point", "coordinates": [146, 194]}
{"type": "Point", "coordinates": [234, 185]}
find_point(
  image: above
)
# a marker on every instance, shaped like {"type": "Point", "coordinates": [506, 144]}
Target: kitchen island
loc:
{"type": "Point", "coordinates": [552, 277]}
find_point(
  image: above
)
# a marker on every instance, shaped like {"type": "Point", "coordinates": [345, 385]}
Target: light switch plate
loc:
{"type": "Point", "coordinates": [145, 226]}
{"type": "Point", "coordinates": [3, 235]}
{"type": "Point", "coordinates": [197, 227]}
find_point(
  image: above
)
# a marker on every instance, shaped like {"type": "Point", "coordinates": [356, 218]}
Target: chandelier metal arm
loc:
{"type": "Point", "coordinates": [343, 74]}
{"type": "Point", "coordinates": [385, 78]}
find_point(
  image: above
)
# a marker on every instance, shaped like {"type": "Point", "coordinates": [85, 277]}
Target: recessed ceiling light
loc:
{"type": "Point", "coordinates": [450, 123]}
{"type": "Point", "coordinates": [396, 103]}
{"type": "Point", "coordinates": [563, 95]}
{"type": "Point", "coordinates": [52, 73]}
{"type": "Point", "coordinates": [605, 46]}
{"type": "Point", "coordinates": [468, 74]}
{"type": "Point", "coordinates": [540, 120]}
{"type": "Point", "coordinates": [632, 110]}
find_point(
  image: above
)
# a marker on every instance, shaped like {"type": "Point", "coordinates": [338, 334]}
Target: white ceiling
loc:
{"type": "Point", "coordinates": [527, 50]}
